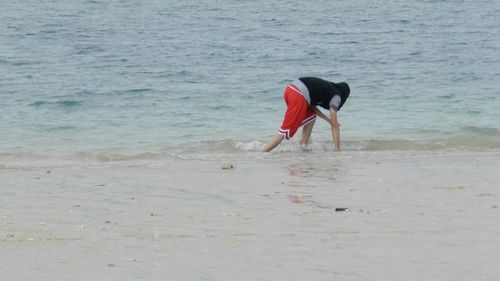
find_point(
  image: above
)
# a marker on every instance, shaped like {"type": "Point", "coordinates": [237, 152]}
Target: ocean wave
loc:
{"type": "Point", "coordinates": [458, 143]}
{"type": "Point", "coordinates": [227, 149]}
{"type": "Point", "coordinates": [138, 90]}
{"type": "Point", "coordinates": [482, 131]}
{"type": "Point", "coordinates": [60, 103]}
{"type": "Point", "coordinates": [220, 107]}
{"type": "Point", "coordinates": [231, 151]}
{"type": "Point", "coordinates": [117, 157]}
{"type": "Point", "coordinates": [84, 49]}
{"type": "Point", "coordinates": [61, 128]}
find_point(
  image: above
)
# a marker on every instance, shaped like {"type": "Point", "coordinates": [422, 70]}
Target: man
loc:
{"type": "Point", "coordinates": [302, 97]}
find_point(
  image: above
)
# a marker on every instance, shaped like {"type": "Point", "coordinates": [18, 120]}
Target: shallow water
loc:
{"type": "Point", "coordinates": [129, 77]}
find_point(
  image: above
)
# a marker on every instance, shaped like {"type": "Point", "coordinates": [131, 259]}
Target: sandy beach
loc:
{"type": "Point", "coordinates": [349, 216]}
{"type": "Point", "coordinates": [130, 134]}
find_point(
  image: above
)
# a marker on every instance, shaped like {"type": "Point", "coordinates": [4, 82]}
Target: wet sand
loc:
{"type": "Point", "coordinates": [350, 216]}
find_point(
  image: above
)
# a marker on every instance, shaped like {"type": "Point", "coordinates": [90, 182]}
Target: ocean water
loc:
{"type": "Point", "coordinates": [153, 77]}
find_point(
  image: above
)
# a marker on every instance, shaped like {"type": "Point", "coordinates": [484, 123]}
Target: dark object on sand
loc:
{"type": "Point", "coordinates": [341, 209]}
{"type": "Point", "coordinates": [227, 166]}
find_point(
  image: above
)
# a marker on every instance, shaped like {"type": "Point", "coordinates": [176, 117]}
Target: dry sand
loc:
{"type": "Point", "coordinates": [410, 216]}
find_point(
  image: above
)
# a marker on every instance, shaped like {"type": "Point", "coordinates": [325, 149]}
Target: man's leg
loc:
{"type": "Point", "coordinates": [296, 109]}
{"type": "Point", "coordinates": [273, 142]}
{"type": "Point", "coordinates": [306, 132]}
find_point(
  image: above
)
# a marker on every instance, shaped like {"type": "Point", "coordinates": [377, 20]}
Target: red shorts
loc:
{"type": "Point", "coordinates": [298, 112]}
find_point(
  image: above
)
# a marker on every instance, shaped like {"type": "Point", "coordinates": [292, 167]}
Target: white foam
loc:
{"type": "Point", "coordinates": [254, 145]}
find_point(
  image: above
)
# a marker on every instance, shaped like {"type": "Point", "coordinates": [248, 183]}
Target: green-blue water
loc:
{"type": "Point", "coordinates": [155, 76]}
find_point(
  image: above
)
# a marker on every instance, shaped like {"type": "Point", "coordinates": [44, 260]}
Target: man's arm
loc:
{"type": "Point", "coordinates": [322, 115]}
{"type": "Point", "coordinates": [335, 129]}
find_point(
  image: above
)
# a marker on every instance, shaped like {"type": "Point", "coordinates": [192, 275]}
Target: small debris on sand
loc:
{"type": "Point", "coordinates": [296, 198]}
{"type": "Point", "coordinates": [484, 194]}
{"type": "Point", "coordinates": [342, 209]}
{"type": "Point", "coordinates": [227, 166]}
